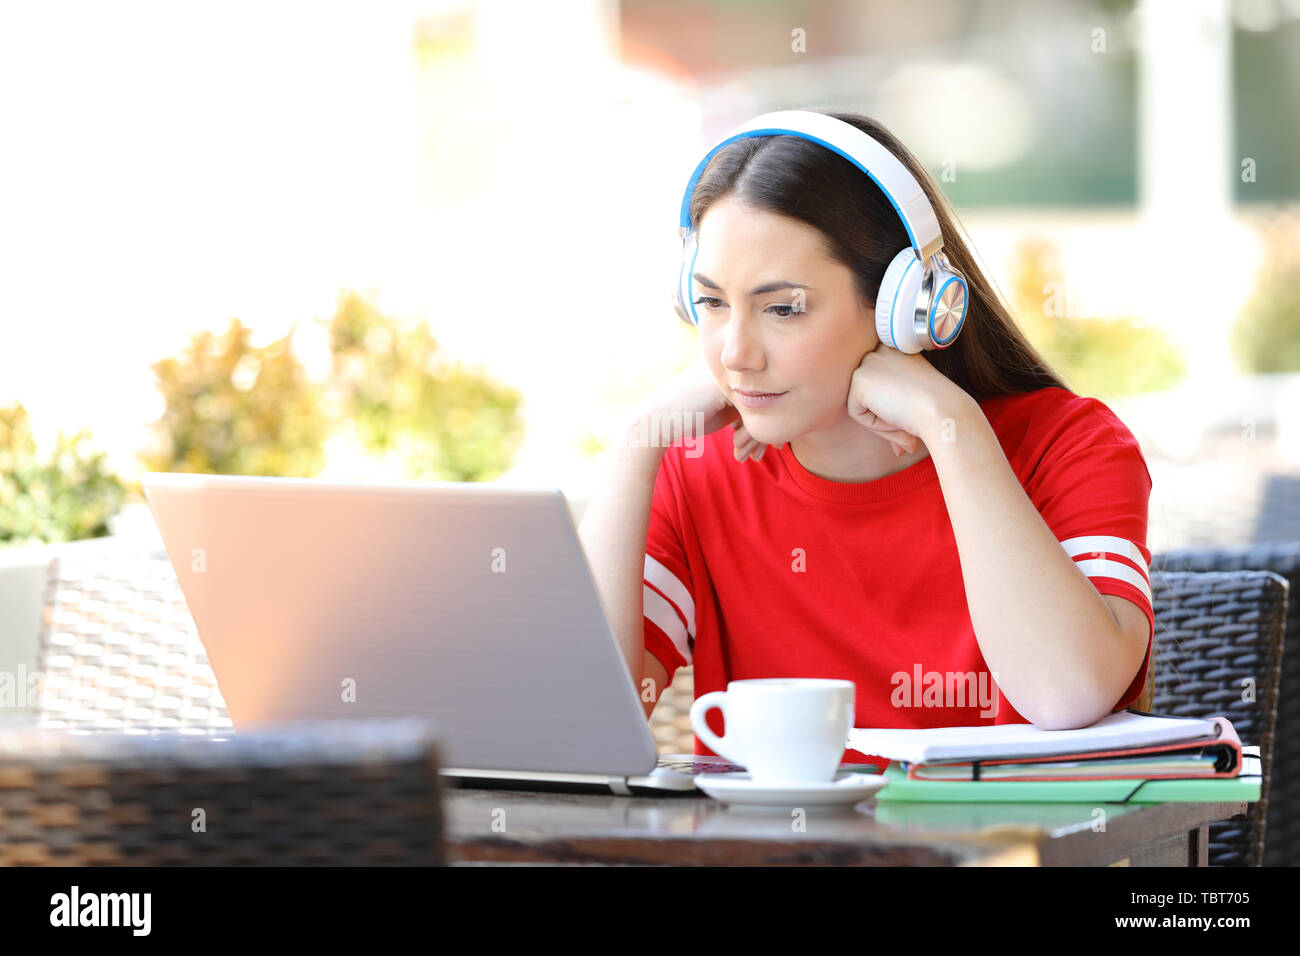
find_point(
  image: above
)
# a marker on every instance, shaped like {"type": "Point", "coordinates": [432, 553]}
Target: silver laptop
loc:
{"type": "Point", "coordinates": [468, 604]}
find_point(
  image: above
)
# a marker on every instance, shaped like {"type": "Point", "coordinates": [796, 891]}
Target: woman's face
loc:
{"type": "Point", "coordinates": [805, 344]}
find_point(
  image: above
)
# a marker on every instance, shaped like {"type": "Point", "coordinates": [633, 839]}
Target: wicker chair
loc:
{"type": "Point", "coordinates": [340, 792]}
{"type": "Point", "coordinates": [132, 737]}
{"type": "Point", "coordinates": [1282, 774]}
{"type": "Point", "coordinates": [670, 721]}
{"type": "Point", "coordinates": [1218, 633]}
{"type": "Point", "coordinates": [118, 649]}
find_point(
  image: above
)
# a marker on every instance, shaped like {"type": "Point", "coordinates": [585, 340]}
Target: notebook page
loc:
{"type": "Point", "coordinates": [927, 745]}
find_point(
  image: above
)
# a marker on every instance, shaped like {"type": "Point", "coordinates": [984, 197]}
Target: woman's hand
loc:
{"type": "Point", "coordinates": [896, 395]}
{"type": "Point", "coordinates": [678, 403]}
{"type": "Point", "coordinates": [746, 445]}
{"type": "Point", "coordinates": [695, 390]}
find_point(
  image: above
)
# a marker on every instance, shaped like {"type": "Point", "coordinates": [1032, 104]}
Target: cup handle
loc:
{"type": "Point", "coordinates": [719, 745]}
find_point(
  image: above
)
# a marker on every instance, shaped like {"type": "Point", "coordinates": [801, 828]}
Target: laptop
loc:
{"type": "Point", "coordinates": [468, 604]}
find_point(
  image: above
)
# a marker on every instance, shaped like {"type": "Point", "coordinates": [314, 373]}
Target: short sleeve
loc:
{"type": "Point", "coordinates": [668, 599]}
{"type": "Point", "coordinates": [1093, 495]}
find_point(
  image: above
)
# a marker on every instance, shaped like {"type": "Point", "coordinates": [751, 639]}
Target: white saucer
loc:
{"type": "Point", "coordinates": [737, 788]}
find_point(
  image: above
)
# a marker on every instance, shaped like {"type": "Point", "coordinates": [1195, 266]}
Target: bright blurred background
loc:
{"type": "Point", "coordinates": [436, 240]}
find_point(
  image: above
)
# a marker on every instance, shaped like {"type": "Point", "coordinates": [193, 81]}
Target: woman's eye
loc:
{"type": "Point", "coordinates": [711, 302]}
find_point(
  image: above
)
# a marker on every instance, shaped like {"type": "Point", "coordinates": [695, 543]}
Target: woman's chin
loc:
{"type": "Point", "coordinates": [767, 435]}
{"type": "Point", "coordinates": [765, 427]}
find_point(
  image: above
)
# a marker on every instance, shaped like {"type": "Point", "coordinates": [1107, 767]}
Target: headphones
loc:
{"type": "Point", "coordinates": [922, 299]}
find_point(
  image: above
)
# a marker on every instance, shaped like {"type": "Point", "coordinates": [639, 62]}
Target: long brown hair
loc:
{"type": "Point", "coordinates": [795, 177]}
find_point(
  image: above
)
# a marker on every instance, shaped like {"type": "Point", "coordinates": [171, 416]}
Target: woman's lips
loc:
{"type": "Point", "coordinates": [757, 399]}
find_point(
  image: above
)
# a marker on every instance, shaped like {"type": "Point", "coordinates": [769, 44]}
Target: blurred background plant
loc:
{"type": "Point", "coordinates": [1098, 357]}
{"type": "Point", "coordinates": [438, 420]}
{"type": "Point", "coordinates": [69, 496]}
{"type": "Point", "coordinates": [1266, 335]}
{"type": "Point", "coordinates": [234, 409]}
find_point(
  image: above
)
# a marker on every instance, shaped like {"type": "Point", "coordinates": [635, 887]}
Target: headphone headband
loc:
{"type": "Point", "coordinates": [885, 169]}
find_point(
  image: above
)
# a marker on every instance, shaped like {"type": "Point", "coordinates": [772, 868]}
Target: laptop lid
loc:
{"type": "Point", "coordinates": [470, 604]}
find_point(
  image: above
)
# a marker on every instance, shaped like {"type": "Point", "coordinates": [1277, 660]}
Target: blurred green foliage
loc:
{"type": "Point", "coordinates": [1097, 357]}
{"type": "Point", "coordinates": [234, 409]}
{"type": "Point", "coordinates": [441, 420]}
{"type": "Point", "coordinates": [1266, 337]}
{"type": "Point", "coordinates": [70, 496]}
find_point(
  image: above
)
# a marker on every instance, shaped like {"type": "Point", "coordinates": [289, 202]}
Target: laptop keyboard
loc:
{"type": "Point", "coordinates": [699, 765]}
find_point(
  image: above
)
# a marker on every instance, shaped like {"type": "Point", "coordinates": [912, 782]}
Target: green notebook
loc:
{"type": "Point", "coordinates": [1218, 790]}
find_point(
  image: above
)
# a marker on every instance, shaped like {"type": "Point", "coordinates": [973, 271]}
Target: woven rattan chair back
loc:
{"type": "Point", "coordinates": [118, 649]}
{"type": "Point", "coordinates": [338, 792]}
{"type": "Point", "coordinates": [1218, 651]}
{"type": "Point", "coordinates": [1282, 835]}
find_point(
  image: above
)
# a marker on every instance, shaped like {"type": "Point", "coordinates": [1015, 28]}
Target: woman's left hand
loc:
{"type": "Point", "coordinates": [896, 395]}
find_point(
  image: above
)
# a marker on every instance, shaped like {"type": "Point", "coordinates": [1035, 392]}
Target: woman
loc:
{"type": "Point", "coordinates": [953, 530]}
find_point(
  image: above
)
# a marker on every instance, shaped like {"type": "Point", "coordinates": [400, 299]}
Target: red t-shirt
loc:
{"type": "Point", "coordinates": [762, 569]}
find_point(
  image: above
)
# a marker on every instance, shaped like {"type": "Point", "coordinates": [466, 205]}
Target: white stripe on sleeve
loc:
{"type": "Point", "coordinates": [1102, 567]}
{"type": "Point", "coordinates": [658, 574]}
{"type": "Point", "coordinates": [1119, 570]}
{"type": "Point", "coordinates": [660, 612]}
{"type": "Point", "coordinates": [1093, 543]}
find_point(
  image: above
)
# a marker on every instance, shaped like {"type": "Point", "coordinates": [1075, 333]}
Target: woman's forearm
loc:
{"type": "Point", "coordinates": [613, 532]}
{"type": "Point", "coordinates": [1045, 632]}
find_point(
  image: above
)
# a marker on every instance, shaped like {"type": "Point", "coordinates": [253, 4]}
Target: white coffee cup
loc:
{"type": "Point", "coordinates": [783, 730]}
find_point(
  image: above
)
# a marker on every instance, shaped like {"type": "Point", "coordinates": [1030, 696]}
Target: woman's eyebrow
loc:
{"type": "Point", "coordinates": [759, 290]}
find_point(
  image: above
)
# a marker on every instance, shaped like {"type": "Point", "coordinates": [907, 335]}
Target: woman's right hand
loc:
{"type": "Point", "coordinates": [683, 399]}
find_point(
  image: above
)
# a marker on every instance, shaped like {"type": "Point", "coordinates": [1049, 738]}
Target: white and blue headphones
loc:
{"type": "Point", "coordinates": [919, 306]}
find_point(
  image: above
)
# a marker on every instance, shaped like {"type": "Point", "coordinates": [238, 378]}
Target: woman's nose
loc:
{"type": "Point", "coordinates": [741, 346]}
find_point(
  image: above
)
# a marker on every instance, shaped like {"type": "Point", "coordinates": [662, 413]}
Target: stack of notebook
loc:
{"type": "Point", "coordinates": [1127, 757]}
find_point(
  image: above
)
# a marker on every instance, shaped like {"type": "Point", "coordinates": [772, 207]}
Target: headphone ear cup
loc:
{"type": "Point", "coordinates": [896, 302]}
{"type": "Point", "coordinates": [683, 297]}
{"type": "Point", "coordinates": [949, 305]}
